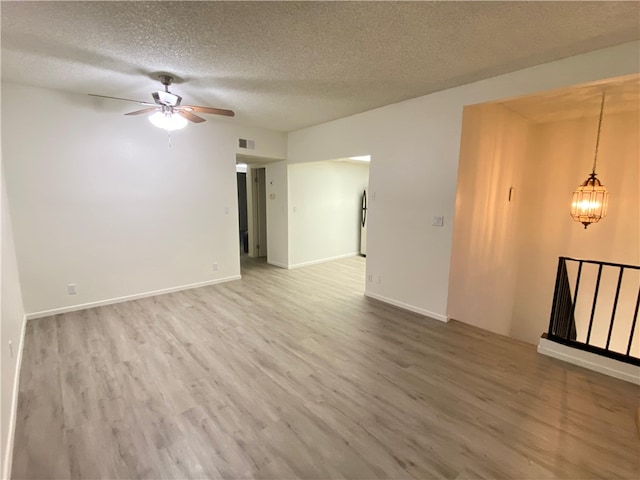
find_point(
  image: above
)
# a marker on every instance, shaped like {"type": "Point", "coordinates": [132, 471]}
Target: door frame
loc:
{"type": "Point", "coordinates": [257, 223]}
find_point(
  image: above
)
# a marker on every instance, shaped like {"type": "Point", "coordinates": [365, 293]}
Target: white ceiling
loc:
{"type": "Point", "coordinates": [288, 65]}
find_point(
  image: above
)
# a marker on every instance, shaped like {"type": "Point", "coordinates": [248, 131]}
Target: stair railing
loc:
{"type": "Point", "coordinates": [570, 295]}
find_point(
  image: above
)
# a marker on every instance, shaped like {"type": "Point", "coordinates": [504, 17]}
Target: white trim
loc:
{"type": "Point", "coordinates": [277, 264]}
{"type": "Point", "coordinates": [323, 260]}
{"type": "Point", "coordinates": [592, 361]}
{"type": "Point", "coordinates": [111, 301]}
{"type": "Point", "coordinates": [8, 454]}
{"type": "Point", "coordinates": [406, 306]}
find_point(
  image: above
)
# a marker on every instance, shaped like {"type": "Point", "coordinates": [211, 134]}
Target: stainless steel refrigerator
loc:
{"type": "Point", "coordinates": [363, 224]}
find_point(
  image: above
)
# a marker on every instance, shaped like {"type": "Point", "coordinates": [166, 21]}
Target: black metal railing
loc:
{"type": "Point", "coordinates": [595, 308]}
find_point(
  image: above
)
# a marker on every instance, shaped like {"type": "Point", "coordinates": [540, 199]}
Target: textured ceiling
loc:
{"type": "Point", "coordinates": [288, 65]}
{"type": "Point", "coordinates": [621, 95]}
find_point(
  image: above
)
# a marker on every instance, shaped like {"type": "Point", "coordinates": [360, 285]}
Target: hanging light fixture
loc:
{"type": "Point", "coordinates": [591, 199]}
{"type": "Point", "coordinates": [168, 120]}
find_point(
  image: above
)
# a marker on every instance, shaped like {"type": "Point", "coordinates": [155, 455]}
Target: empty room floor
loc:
{"type": "Point", "coordinates": [295, 374]}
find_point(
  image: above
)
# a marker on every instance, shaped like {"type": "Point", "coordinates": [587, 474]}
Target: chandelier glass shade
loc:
{"type": "Point", "coordinates": [590, 201]}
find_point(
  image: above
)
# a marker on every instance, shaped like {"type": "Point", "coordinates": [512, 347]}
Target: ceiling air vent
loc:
{"type": "Point", "coordinates": [248, 144]}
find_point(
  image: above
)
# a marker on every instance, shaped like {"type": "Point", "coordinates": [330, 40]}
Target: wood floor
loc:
{"type": "Point", "coordinates": [295, 374]}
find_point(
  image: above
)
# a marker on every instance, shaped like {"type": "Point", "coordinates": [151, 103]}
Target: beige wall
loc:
{"type": "Point", "coordinates": [505, 254]}
{"type": "Point", "coordinates": [483, 262]}
{"type": "Point", "coordinates": [559, 158]}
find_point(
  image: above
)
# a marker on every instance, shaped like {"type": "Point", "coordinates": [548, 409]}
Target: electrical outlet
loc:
{"type": "Point", "coordinates": [369, 278]}
{"type": "Point", "coordinates": [378, 279]}
{"type": "Point", "coordinates": [71, 289]}
{"type": "Point", "coordinates": [438, 221]}
{"type": "Point", "coordinates": [226, 210]}
{"type": "Point", "coordinates": [215, 267]}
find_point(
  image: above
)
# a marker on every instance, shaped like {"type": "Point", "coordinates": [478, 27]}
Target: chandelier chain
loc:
{"type": "Point", "coordinates": [595, 158]}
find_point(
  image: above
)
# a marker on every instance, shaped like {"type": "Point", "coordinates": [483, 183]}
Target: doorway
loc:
{"type": "Point", "coordinates": [258, 241]}
{"type": "Point", "coordinates": [252, 173]}
{"type": "Point", "coordinates": [327, 210]}
{"type": "Point", "coordinates": [241, 178]}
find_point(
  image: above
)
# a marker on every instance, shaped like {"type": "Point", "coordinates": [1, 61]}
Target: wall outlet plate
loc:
{"type": "Point", "coordinates": [438, 221]}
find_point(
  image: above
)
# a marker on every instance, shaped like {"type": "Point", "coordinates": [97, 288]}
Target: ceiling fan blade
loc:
{"type": "Point", "coordinates": [144, 110]}
{"type": "Point", "coordinates": [189, 116]}
{"type": "Point", "coordinates": [214, 111]}
{"type": "Point", "coordinates": [123, 99]}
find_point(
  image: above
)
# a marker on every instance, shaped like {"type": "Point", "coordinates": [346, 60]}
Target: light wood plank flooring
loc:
{"type": "Point", "coordinates": [295, 374]}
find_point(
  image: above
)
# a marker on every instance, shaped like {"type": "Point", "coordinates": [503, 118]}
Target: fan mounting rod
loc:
{"type": "Point", "coordinates": [166, 80]}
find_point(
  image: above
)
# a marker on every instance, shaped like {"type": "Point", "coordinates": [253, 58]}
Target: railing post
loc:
{"type": "Point", "coordinates": [633, 324]}
{"type": "Point", "coordinates": [595, 300]}
{"type": "Point", "coordinates": [615, 307]}
{"type": "Point", "coordinates": [574, 301]}
{"type": "Point", "coordinates": [554, 305]}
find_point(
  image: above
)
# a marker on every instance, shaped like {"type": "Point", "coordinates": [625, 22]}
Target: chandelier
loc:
{"type": "Point", "coordinates": [591, 199]}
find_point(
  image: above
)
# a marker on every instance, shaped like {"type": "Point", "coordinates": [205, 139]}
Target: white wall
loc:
{"type": "Point", "coordinates": [422, 136]}
{"type": "Point", "coordinates": [560, 156]}
{"type": "Point", "coordinates": [102, 201]}
{"type": "Point", "coordinates": [11, 330]}
{"type": "Point", "coordinates": [277, 214]}
{"type": "Point", "coordinates": [493, 153]}
{"type": "Point", "coordinates": [324, 215]}
{"type": "Point", "coordinates": [269, 145]}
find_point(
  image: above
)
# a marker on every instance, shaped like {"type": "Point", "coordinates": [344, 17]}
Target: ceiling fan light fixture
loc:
{"type": "Point", "coordinates": [170, 114]}
{"type": "Point", "coordinates": [168, 121]}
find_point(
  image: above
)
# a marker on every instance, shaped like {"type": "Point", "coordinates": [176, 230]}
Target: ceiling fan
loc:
{"type": "Point", "coordinates": [167, 112]}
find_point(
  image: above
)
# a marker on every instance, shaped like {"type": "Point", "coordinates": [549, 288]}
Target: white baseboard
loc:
{"type": "Point", "coordinates": [277, 264]}
{"type": "Point", "coordinates": [8, 453]}
{"type": "Point", "coordinates": [111, 301]}
{"type": "Point", "coordinates": [323, 260]}
{"type": "Point", "coordinates": [608, 366]}
{"type": "Point", "coordinates": [406, 306]}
